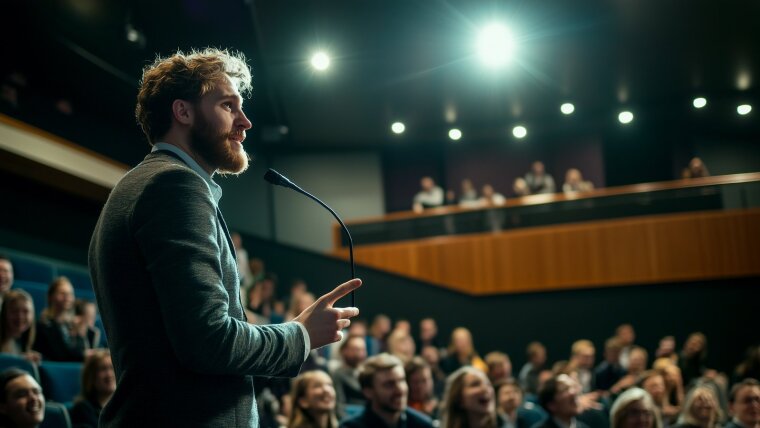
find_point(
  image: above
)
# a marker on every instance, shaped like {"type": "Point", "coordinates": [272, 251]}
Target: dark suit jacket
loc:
{"type": "Point", "coordinates": [369, 419]}
{"type": "Point", "coordinates": [164, 272]}
{"type": "Point", "coordinates": [549, 423]}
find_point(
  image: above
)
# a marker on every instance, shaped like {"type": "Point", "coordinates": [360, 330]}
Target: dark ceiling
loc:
{"type": "Point", "coordinates": [408, 60]}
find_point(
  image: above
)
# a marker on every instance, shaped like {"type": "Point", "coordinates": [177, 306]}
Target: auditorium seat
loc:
{"type": "Point", "coordinates": [56, 416]}
{"type": "Point", "coordinates": [9, 360]}
{"type": "Point", "coordinates": [60, 380]}
{"type": "Point", "coordinates": [80, 279]}
{"type": "Point", "coordinates": [28, 269]}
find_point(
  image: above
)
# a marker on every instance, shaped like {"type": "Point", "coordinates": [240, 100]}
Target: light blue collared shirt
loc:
{"type": "Point", "coordinates": [216, 190]}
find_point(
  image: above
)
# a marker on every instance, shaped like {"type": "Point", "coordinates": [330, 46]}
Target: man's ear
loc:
{"type": "Point", "coordinates": [183, 112]}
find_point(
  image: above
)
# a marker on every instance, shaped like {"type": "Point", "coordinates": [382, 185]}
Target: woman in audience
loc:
{"type": "Point", "coordinates": [313, 401]}
{"type": "Point", "coordinates": [692, 358]}
{"type": "Point", "coordinates": [17, 329]}
{"type": "Point", "coordinates": [673, 381]}
{"type": "Point", "coordinates": [419, 377]}
{"type": "Point", "coordinates": [462, 352]}
{"type": "Point", "coordinates": [468, 401]}
{"type": "Point", "coordinates": [653, 382]}
{"type": "Point", "coordinates": [701, 409]}
{"type": "Point", "coordinates": [634, 409]}
{"type": "Point", "coordinates": [22, 404]}
{"type": "Point", "coordinates": [85, 313]}
{"type": "Point", "coordinates": [57, 336]}
{"type": "Point", "coordinates": [401, 345]}
{"type": "Point", "coordinates": [98, 385]}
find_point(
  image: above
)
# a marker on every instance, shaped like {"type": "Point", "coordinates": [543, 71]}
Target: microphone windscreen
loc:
{"type": "Point", "coordinates": [274, 177]}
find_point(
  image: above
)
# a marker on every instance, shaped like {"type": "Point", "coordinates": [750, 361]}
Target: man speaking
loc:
{"type": "Point", "coordinates": [164, 268]}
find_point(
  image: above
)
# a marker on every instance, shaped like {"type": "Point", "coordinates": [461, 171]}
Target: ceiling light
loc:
{"type": "Point", "coordinates": [519, 131]}
{"type": "Point", "coordinates": [625, 117]}
{"type": "Point", "coordinates": [495, 45]}
{"type": "Point", "coordinates": [320, 61]}
{"type": "Point", "coordinates": [700, 102]}
{"type": "Point", "coordinates": [744, 109]}
{"type": "Point", "coordinates": [455, 134]}
{"type": "Point", "coordinates": [567, 108]}
{"type": "Point", "coordinates": [398, 128]}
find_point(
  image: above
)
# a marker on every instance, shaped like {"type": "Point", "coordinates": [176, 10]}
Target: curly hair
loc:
{"type": "Point", "coordinates": [186, 77]}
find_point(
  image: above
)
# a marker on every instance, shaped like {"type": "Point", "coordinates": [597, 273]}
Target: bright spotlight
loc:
{"type": "Point", "coordinates": [519, 131]}
{"type": "Point", "coordinates": [320, 61]}
{"type": "Point", "coordinates": [567, 108]}
{"type": "Point", "coordinates": [625, 117]}
{"type": "Point", "coordinates": [699, 102]}
{"type": "Point", "coordinates": [744, 109]}
{"type": "Point", "coordinates": [398, 127]}
{"type": "Point", "coordinates": [455, 134]}
{"type": "Point", "coordinates": [495, 45]}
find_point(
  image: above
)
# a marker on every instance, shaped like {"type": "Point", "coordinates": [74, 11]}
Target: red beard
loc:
{"type": "Point", "coordinates": [216, 149]}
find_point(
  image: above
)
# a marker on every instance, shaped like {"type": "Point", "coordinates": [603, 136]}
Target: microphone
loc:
{"type": "Point", "coordinates": [274, 177]}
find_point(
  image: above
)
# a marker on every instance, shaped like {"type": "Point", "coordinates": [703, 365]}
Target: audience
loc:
{"type": "Point", "coordinates": [401, 345]}
{"type": "Point", "coordinates": [461, 352]}
{"type": "Point", "coordinates": [637, 365]}
{"type": "Point", "coordinates": [6, 276]}
{"type": "Point", "coordinates": [98, 385]}
{"type": "Point", "coordinates": [491, 198]}
{"type": "Point", "coordinates": [353, 352]}
{"type": "Point", "coordinates": [58, 338]}
{"type": "Point", "coordinates": [574, 182]}
{"type": "Point", "coordinates": [520, 187]}
{"type": "Point", "coordinates": [383, 383]}
{"type": "Point", "coordinates": [691, 361]}
{"type": "Point", "coordinates": [468, 401]}
{"type": "Point", "coordinates": [609, 371]}
{"type": "Point", "coordinates": [419, 378]}
{"type": "Point", "coordinates": [313, 401]}
{"type": "Point", "coordinates": [750, 367]}
{"type": "Point", "coordinates": [538, 180]}
{"type": "Point", "coordinates": [582, 362]}
{"type": "Point", "coordinates": [85, 313]}
{"type": "Point", "coordinates": [701, 410]}
{"type": "Point", "coordinates": [22, 404]}
{"type": "Point", "coordinates": [744, 404]}
{"type": "Point", "coordinates": [653, 383]}
{"type": "Point", "coordinates": [634, 409]}
{"type": "Point", "coordinates": [430, 195]}
{"type": "Point", "coordinates": [378, 333]}
{"type": "Point", "coordinates": [667, 349]}
{"type": "Point", "coordinates": [499, 367]}
{"type": "Point", "coordinates": [560, 397]}
{"type": "Point", "coordinates": [696, 169]}
{"type": "Point", "coordinates": [468, 195]}
{"type": "Point", "coordinates": [627, 336]}
{"type": "Point", "coordinates": [428, 334]}
{"type": "Point", "coordinates": [509, 399]}
{"type": "Point", "coordinates": [528, 377]}
{"type": "Point", "coordinates": [17, 326]}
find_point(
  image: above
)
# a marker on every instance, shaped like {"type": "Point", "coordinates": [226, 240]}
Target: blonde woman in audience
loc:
{"type": "Point", "coordinates": [57, 336]}
{"type": "Point", "coordinates": [313, 401]}
{"type": "Point", "coordinates": [468, 400]}
{"type": "Point", "coordinates": [634, 409]}
{"type": "Point", "coordinates": [400, 344]}
{"type": "Point", "coordinates": [701, 409]}
{"type": "Point", "coordinates": [17, 329]}
{"type": "Point", "coordinates": [674, 389]}
{"type": "Point", "coordinates": [461, 352]}
{"type": "Point", "coordinates": [98, 385]}
{"type": "Point", "coordinates": [653, 382]}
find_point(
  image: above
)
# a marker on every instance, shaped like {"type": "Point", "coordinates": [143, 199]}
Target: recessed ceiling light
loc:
{"type": "Point", "coordinates": [519, 131]}
{"type": "Point", "coordinates": [398, 128]}
{"type": "Point", "coordinates": [625, 117]}
{"type": "Point", "coordinates": [455, 134]}
{"type": "Point", "coordinates": [699, 102]}
{"type": "Point", "coordinates": [320, 61]}
{"type": "Point", "coordinates": [744, 109]}
{"type": "Point", "coordinates": [567, 108]}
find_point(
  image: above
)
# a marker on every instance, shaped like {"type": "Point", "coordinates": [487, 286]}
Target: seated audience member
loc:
{"type": "Point", "coordinates": [634, 409]}
{"type": "Point", "coordinates": [520, 187]}
{"type": "Point", "coordinates": [744, 404]}
{"type": "Point", "coordinates": [313, 401]}
{"type": "Point", "coordinates": [302, 302]}
{"type": "Point", "coordinates": [697, 169]}
{"type": "Point", "coordinates": [353, 352]}
{"type": "Point", "coordinates": [85, 313]}
{"type": "Point", "coordinates": [653, 382]}
{"type": "Point", "coordinates": [468, 195]}
{"type": "Point", "coordinates": [244, 268]}
{"type": "Point", "coordinates": [701, 410]}
{"type": "Point", "coordinates": [432, 356]}
{"type": "Point", "coordinates": [491, 198]}
{"type": "Point", "coordinates": [450, 198]}
{"type": "Point", "coordinates": [383, 383]}
{"type": "Point", "coordinates": [750, 367]}
{"type": "Point", "coordinates": [17, 327]}
{"type": "Point", "coordinates": [430, 195]}
{"type": "Point", "coordinates": [22, 404]}
{"type": "Point", "coordinates": [461, 352]}
{"type": "Point", "coordinates": [627, 336]}
{"type": "Point", "coordinates": [560, 398]}
{"type": "Point", "coordinates": [401, 345]}
{"type": "Point", "coordinates": [637, 364]}
{"type": "Point", "coordinates": [691, 361]}
{"type": "Point", "coordinates": [98, 385]}
{"type": "Point", "coordinates": [419, 378]}
{"type": "Point", "coordinates": [674, 389]}
{"type": "Point", "coordinates": [528, 377]}
{"type": "Point", "coordinates": [538, 180]}
{"type": "Point", "coordinates": [609, 371]}
{"type": "Point", "coordinates": [403, 325]}
{"type": "Point", "coordinates": [499, 367]}
{"type": "Point", "coordinates": [468, 401]}
{"type": "Point", "coordinates": [574, 182]}
{"type": "Point", "coordinates": [509, 400]}
{"type": "Point", "coordinates": [428, 334]}
{"type": "Point", "coordinates": [57, 336]}
{"type": "Point", "coordinates": [582, 362]}
{"type": "Point", "coordinates": [667, 349]}
{"type": "Point", "coordinates": [6, 276]}
{"type": "Point", "coordinates": [378, 333]}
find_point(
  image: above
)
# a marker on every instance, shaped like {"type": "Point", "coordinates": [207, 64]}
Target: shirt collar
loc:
{"type": "Point", "coordinates": [216, 190]}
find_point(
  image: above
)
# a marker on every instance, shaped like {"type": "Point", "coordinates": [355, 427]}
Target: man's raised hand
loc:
{"type": "Point", "coordinates": [324, 322]}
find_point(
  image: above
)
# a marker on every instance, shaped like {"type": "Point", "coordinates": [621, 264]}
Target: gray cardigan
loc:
{"type": "Point", "coordinates": [166, 280]}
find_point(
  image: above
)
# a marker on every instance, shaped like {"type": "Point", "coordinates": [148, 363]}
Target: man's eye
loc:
{"type": "Point", "coordinates": [227, 105]}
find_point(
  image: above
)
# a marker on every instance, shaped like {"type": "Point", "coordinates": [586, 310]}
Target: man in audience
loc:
{"type": "Point", "coordinates": [538, 180]}
{"type": "Point", "coordinates": [383, 383]}
{"type": "Point", "coordinates": [430, 196]}
{"type": "Point", "coordinates": [609, 371]}
{"type": "Point", "coordinates": [163, 265]}
{"type": "Point", "coordinates": [627, 336]}
{"type": "Point", "coordinates": [21, 401]}
{"type": "Point", "coordinates": [560, 398]}
{"type": "Point", "coordinates": [744, 404]}
{"type": "Point", "coordinates": [528, 377]}
{"type": "Point", "coordinates": [378, 333]}
{"type": "Point", "coordinates": [428, 334]}
{"type": "Point", "coordinates": [419, 377]}
{"type": "Point", "coordinates": [499, 367]}
{"type": "Point", "coordinates": [6, 276]}
{"type": "Point", "coordinates": [582, 361]}
{"type": "Point", "coordinates": [353, 352]}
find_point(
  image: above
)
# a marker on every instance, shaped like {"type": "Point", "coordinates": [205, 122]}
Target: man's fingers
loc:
{"type": "Point", "coordinates": [343, 324]}
{"type": "Point", "coordinates": [330, 298]}
{"type": "Point", "coordinates": [347, 312]}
